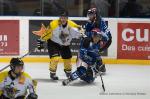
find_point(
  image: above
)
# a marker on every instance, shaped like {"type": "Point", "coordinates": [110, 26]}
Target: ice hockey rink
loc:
{"type": "Point", "coordinates": [121, 82]}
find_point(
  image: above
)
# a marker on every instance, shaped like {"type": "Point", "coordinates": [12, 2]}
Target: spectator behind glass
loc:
{"type": "Point", "coordinates": [9, 7]}
{"type": "Point", "coordinates": [86, 7]}
{"type": "Point", "coordinates": [53, 6]}
{"type": "Point", "coordinates": [102, 7]}
{"type": "Point", "coordinates": [131, 9]}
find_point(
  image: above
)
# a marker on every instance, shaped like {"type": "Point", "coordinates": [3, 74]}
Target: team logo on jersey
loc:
{"type": "Point", "coordinates": [64, 37]}
{"type": "Point", "coordinates": [11, 91]}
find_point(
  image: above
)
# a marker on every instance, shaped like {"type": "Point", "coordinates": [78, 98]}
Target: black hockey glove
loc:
{"type": "Point", "coordinates": [32, 96]}
{"type": "Point", "coordinates": [106, 45]}
{"type": "Point", "coordinates": [40, 44]}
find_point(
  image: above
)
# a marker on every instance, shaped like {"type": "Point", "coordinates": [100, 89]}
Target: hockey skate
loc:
{"type": "Point", "coordinates": [66, 82]}
{"type": "Point", "coordinates": [53, 76]}
{"type": "Point", "coordinates": [68, 74]}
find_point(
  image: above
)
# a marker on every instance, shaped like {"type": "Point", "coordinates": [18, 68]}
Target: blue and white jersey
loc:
{"type": "Point", "coordinates": [91, 54]}
{"type": "Point", "coordinates": [103, 27]}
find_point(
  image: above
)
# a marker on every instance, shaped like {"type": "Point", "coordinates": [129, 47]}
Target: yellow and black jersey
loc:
{"type": "Point", "coordinates": [16, 87]}
{"type": "Point", "coordinates": [59, 34]}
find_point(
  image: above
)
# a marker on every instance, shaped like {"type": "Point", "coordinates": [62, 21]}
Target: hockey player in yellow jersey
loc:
{"type": "Point", "coordinates": [15, 84]}
{"type": "Point", "coordinates": [58, 36]}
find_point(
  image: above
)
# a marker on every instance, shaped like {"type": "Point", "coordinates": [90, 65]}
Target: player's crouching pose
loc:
{"type": "Point", "coordinates": [15, 84]}
{"type": "Point", "coordinates": [89, 62]}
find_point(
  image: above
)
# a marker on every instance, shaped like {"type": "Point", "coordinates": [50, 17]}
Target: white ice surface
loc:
{"type": "Point", "coordinates": [121, 82]}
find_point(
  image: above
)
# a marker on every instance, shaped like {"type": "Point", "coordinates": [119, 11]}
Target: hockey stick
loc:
{"type": "Point", "coordinates": [19, 58]}
{"type": "Point", "coordinates": [102, 81]}
{"type": "Point", "coordinates": [100, 74]}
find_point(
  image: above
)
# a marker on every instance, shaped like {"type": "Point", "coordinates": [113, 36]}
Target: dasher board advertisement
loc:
{"type": "Point", "coordinates": [9, 37]}
{"type": "Point", "coordinates": [134, 41]}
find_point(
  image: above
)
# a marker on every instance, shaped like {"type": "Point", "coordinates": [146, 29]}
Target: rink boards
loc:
{"type": "Point", "coordinates": [105, 60]}
{"type": "Point", "coordinates": [130, 39]}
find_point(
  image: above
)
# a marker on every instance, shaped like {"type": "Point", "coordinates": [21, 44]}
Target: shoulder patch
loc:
{"type": "Point", "coordinates": [26, 75]}
{"type": "Point", "coordinates": [72, 24]}
{"type": "Point", "coordinates": [3, 75]}
{"type": "Point", "coordinates": [54, 24]}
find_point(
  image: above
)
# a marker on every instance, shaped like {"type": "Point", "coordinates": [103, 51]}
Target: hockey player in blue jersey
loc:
{"type": "Point", "coordinates": [95, 21]}
{"type": "Point", "coordinates": [89, 62]}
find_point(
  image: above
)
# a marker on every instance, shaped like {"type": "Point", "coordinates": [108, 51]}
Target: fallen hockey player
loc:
{"type": "Point", "coordinates": [89, 62]}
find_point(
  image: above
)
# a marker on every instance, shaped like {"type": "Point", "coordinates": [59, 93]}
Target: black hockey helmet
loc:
{"type": "Point", "coordinates": [15, 62]}
{"type": "Point", "coordinates": [92, 11]}
{"type": "Point", "coordinates": [64, 14]}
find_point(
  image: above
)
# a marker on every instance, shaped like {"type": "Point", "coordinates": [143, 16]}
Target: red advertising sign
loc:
{"type": "Point", "coordinates": [133, 41]}
{"type": "Point", "coordinates": [9, 37]}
